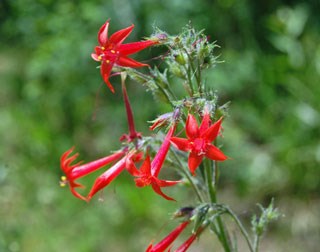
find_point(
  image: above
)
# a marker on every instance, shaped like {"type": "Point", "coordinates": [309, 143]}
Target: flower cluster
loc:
{"type": "Point", "coordinates": [112, 54]}
{"type": "Point", "coordinates": [189, 144]}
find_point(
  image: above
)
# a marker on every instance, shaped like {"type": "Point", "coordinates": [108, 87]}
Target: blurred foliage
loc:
{"type": "Point", "coordinates": [52, 97]}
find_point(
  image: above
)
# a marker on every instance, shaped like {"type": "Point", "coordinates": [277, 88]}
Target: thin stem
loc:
{"type": "Point", "coordinates": [198, 77]}
{"type": "Point", "coordinates": [256, 243]}
{"type": "Point", "coordinates": [187, 174]}
{"type": "Point", "coordinates": [216, 174]}
{"type": "Point", "coordinates": [146, 78]}
{"type": "Point", "coordinates": [165, 94]}
{"type": "Point", "coordinates": [189, 80]}
{"type": "Point", "coordinates": [209, 181]}
{"type": "Point", "coordinates": [213, 198]}
{"type": "Point", "coordinates": [243, 230]}
{"type": "Point", "coordinates": [216, 169]}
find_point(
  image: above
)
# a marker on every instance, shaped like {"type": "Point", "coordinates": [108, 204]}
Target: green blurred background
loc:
{"type": "Point", "coordinates": [52, 98]}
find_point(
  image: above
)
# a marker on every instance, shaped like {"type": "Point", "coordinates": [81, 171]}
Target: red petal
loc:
{"type": "Point", "coordinates": [65, 155]}
{"type": "Point", "coordinates": [214, 153]}
{"type": "Point", "coordinates": [180, 143]}
{"type": "Point", "coordinates": [65, 162]}
{"type": "Point", "coordinates": [127, 62]}
{"type": "Point", "coordinates": [146, 166]}
{"type": "Point", "coordinates": [76, 194]}
{"type": "Point", "coordinates": [165, 183]}
{"type": "Point", "coordinates": [157, 190]}
{"type": "Point", "coordinates": [130, 48]}
{"type": "Point", "coordinates": [211, 133]}
{"type": "Point", "coordinates": [192, 129]}
{"type": "Point", "coordinates": [194, 161]}
{"type": "Point", "coordinates": [105, 73]}
{"type": "Point", "coordinates": [103, 34]}
{"type": "Point", "coordinates": [205, 123]}
{"type": "Point", "coordinates": [95, 56]}
{"type": "Point", "coordinates": [119, 36]}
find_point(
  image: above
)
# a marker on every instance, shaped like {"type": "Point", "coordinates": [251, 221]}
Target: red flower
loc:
{"type": "Point", "coordinates": [149, 171]}
{"type": "Point", "coordinates": [170, 238]}
{"type": "Point", "coordinates": [75, 171]}
{"type": "Point", "coordinates": [111, 52]}
{"type": "Point", "coordinates": [199, 141]}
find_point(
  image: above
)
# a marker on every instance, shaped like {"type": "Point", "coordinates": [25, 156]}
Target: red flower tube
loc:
{"type": "Point", "coordinates": [169, 239]}
{"type": "Point", "coordinates": [108, 176]}
{"type": "Point", "coordinates": [184, 246]}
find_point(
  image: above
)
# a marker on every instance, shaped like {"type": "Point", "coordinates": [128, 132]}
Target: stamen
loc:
{"type": "Point", "coordinates": [107, 61]}
{"type": "Point", "coordinates": [113, 51]}
{"type": "Point", "coordinates": [63, 182]}
{"type": "Point", "coordinates": [102, 48]}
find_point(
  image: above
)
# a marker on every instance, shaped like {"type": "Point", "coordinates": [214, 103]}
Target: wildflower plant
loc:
{"type": "Point", "coordinates": [189, 133]}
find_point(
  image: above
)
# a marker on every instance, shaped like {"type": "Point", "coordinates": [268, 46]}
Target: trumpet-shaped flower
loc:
{"type": "Point", "coordinates": [78, 170]}
{"type": "Point", "coordinates": [111, 52]}
{"type": "Point", "coordinates": [149, 171]}
{"type": "Point", "coordinates": [199, 141]}
{"type": "Point", "coordinates": [169, 239]}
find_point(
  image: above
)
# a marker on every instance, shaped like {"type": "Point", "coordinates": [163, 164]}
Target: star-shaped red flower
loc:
{"type": "Point", "coordinates": [149, 171]}
{"type": "Point", "coordinates": [199, 141]}
{"type": "Point", "coordinates": [78, 170]}
{"type": "Point", "coordinates": [111, 52]}
{"type": "Point", "coordinates": [144, 177]}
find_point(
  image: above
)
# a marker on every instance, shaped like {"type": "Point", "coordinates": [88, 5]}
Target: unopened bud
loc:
{"type": "Point", "coordinates": [180, 58]}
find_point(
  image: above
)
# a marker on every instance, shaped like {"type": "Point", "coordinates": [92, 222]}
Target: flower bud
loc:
{"type": "Point", "coordinates": [180, 58]}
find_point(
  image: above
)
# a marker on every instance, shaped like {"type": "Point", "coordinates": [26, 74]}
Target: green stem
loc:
{"type": "Point", "coordinates": [188, 176]}
{"type": "Point", "coordinates": [256, 243]}
{"type": "Point", "coordinates": [213, 198]}
{"type": "Point", "coordinates": [189, 80]}
{"type": "Point", "coordinates": [198, 77]}
{"type": "Point", "coordinates": [164, 91]}
{"type": "Point", "coordinates": [166, 95]}
{"type": "Point", "coordinates": [244, 232]}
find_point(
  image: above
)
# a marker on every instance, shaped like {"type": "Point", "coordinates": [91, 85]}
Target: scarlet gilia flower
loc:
{"type": "Point", "coordinates": [149, 171]}
{"type": "Point", "coordinates": [78, 170]}
{"type": "Point", "coordinates": [169, 239]}
{"type": "Point", "coordinates": [111, 52]}
{"type": "Point", "coordinates": [199, 141]}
